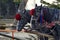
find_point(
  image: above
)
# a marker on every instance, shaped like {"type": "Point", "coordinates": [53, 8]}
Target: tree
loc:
{"type": "Point", "coordinates": [58, 0]}
{"type": "Point", "coordinates": [53, 5]}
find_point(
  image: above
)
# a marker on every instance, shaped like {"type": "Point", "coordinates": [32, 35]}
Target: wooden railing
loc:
{"type": "Point", "coordinates": [42, 35]}
{"type": "Point", "coordinates": [33, 32]}
{"type": "Point", "coordinates": [7, 35]}
{"type": "Point", "coordinates": [8, 22]}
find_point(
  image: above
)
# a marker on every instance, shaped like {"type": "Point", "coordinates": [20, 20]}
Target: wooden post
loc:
{"type": "Point", "coordinates": [12, 35]}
